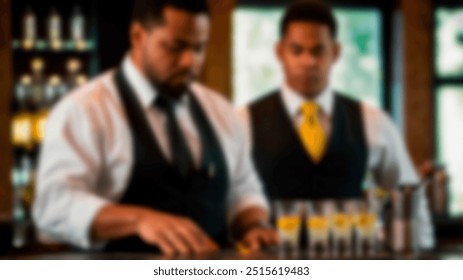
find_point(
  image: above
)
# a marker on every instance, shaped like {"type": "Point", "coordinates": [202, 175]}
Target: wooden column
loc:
{"type": "Point", "coordinates": [218, 68]}
{"type": "Point", "coordinates": [5, 97]}
{"type": "Point", "coordinates": [418, 77]}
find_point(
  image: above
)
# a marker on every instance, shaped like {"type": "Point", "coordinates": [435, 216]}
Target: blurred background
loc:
{"type": "Point", "coordinates": [405, 56]}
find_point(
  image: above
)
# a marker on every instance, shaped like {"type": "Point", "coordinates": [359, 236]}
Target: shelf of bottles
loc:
{"type": "Point", "coordinates": [53, 53]}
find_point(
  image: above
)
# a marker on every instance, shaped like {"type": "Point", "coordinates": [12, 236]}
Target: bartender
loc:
{"type": "Point", "coordinates": [145, 158]}
{"type": "Point", "coordinates": [310, 141]}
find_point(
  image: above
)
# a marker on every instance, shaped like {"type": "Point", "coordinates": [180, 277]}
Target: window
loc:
{"type": "Point", "coordinates": [256, 70]}
{"type": "Point", "coordinates": [449, 43]}
{"type": "Point", "coordinates": [450, 140]}
{"type": "Point", "coordinates": [449, 99]}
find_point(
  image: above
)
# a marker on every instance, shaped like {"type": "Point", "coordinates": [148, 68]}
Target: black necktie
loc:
{"type": "Point", "coordinates": [181, 156]}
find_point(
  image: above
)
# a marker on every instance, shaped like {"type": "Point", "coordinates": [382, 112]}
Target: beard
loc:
{"type": "Point", "coordinates": [167, 88]}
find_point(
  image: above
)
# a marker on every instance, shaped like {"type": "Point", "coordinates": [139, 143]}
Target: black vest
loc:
{"type": "Point", "coordinates": [284, 165]}
{"type": "Point", "coordinates": [155, 184]}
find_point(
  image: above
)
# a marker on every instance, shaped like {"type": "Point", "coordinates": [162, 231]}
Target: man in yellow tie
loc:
{"type": "Point", "coordinates": [308, 140]}
{"type": "Point", "coordinates": [312, 142]}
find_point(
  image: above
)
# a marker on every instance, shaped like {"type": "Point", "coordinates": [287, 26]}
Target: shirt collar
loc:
{"type": "Point", "coordinates": [293, 100]}
{"type": "Point", "coordinates": [145, 92]}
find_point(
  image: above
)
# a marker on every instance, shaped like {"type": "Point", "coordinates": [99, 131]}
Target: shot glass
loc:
{"type": "Point", "coordinates": [318, 224]}
{"type": "Point", "coordinates": [288, 214]}
{"type": "Point", "coordinates": [343, 227]}
{"type": "Point", "coordinates": [366, 228]}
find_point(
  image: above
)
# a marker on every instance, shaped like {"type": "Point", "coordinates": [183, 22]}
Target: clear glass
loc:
{"type": "Point", "coordinates": [449, 142]}
{"type": "Point", "coordinates": [288, 216]}
{"type": "Point", "coordinates": [256, 71]}
{"type": "Point", "coordinates": [366, 228]}
{"type": "Point", "coordinates": [319, 223]}
{"type": "Point", "coordinates": [380, 197]}
{"type": "Point", "coordinates": [343, 227]}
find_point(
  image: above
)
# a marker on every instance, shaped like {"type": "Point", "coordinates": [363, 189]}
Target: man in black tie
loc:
{"type": "Point", "coordinates": [145, 157]}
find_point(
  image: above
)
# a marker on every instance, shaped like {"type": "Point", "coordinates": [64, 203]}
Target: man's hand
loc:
{"type": "Point", "coordinates": [173, 234]}
{"type": "Point", "coordinates": [251, 229]}
{"type": "Point", "coordinates": [257, 238]}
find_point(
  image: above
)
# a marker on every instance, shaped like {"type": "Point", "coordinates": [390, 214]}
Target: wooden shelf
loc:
{"type": "Point", "coordinates": [43, 46]}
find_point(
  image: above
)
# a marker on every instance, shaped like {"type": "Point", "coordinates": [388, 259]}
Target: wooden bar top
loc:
{"type": "Point", "coordinates": [448, 250]}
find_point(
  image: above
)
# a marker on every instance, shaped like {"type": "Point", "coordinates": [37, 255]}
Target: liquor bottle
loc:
{"type": "Point", "coordinates": [77, 29]}
{"type": "Point", "coordinates": [22, 120]}
{"type": "Point", "coordinates": [81, 79]}
{"type": "Point", "coordinates": [38, 125]}
{"type": "Point", "coordinates": [55, 30]}
{"type": "Point", "coordinates": [38, 82]}
{"type": "Point", "coordinates": [55, 89]}
{"type": "Point", "coordinates": [73, 68]}
{"type": "Point", "coordinates": [23, 195]}
{"type": "Point", "coordinates": [19, 221]}
{"type": "Point", "coordinates": [29, 24]}
{"type": "Point", "coordinates": [27, 180]}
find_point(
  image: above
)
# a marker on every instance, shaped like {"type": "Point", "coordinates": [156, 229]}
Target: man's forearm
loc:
{"type": "Point", "coordinates": [170, 233]}
{"type": "Point", "coordinates": [116, 221]}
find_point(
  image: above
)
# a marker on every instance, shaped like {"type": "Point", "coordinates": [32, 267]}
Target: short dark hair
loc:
{"type": "Point", "coordinates": [310, 11]}
{"type": "Point", "coordinates": [150, 12]}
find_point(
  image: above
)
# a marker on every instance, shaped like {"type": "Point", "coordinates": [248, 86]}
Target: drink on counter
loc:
{"type": "Point", "coordinates": [343, 226]}
{"type": "Point", "coordinates": [288, 221]}
{"type": "Point", "coordinates": [318, 223]}
{"type": "Point", "coordinates": [366, 228]}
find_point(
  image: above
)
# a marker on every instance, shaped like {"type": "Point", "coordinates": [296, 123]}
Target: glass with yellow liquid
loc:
{"type": "Point", "coordinates": [288, 222]}
{"type": "Point", "coordinates": [366, 228]}
{"type": "Point", "coordinates": [342, 221]}
{"type": "Point", "coordinates": [319, 224]}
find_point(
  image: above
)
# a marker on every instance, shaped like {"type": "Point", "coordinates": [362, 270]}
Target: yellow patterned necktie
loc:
{"type": "Point", "coordinates": [311, 132]}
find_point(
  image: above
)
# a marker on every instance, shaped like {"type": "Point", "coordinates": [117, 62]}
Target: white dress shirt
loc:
{"type": "Point", "coordinates": [388, 159]}
{"type": "Point", "coordinates": [87, 157]}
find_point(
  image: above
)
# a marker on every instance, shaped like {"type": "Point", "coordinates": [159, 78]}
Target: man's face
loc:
{"type": "Point", "coordinates": [172, 54]}
{"type": "Point", "coordinates": [307, 52]}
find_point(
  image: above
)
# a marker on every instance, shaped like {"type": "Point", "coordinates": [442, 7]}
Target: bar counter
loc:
{"type": "Point", "coordinates": [449, 234]}
{"type": "Point", "coordinates": [451, 249]}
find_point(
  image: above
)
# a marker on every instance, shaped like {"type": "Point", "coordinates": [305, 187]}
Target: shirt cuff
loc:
{"type": "Point", "coordinates": [82, 213]}
{"type": "Point", "coordinates": [246, 202]}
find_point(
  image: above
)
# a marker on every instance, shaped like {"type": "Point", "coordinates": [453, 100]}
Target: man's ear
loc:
{"type": "Point", "coordinates": [336, 51]}
{"type": "Point", "coordinates": [137, 34]}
